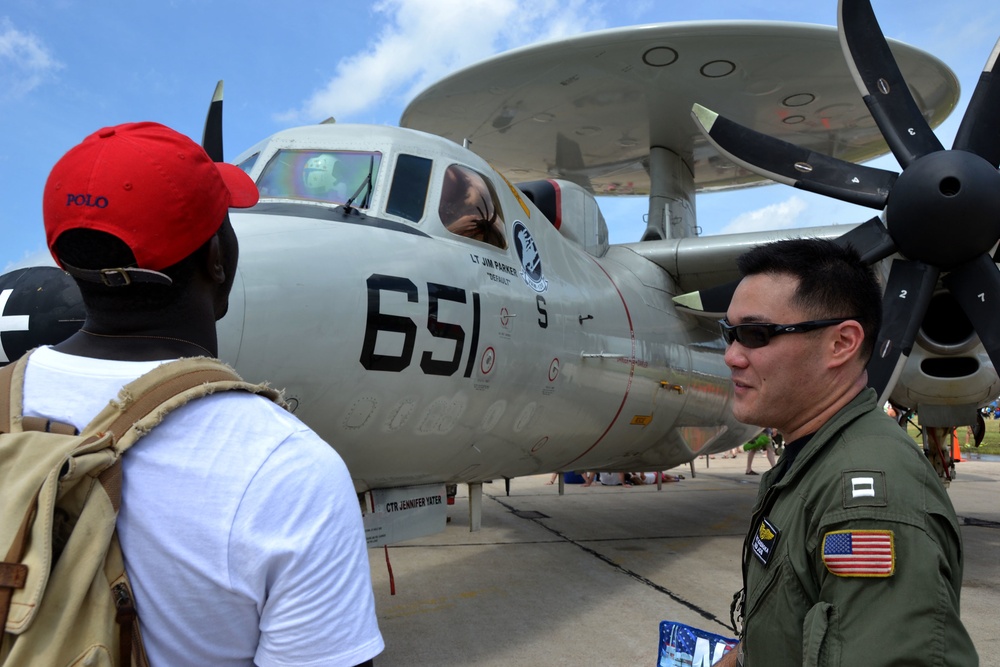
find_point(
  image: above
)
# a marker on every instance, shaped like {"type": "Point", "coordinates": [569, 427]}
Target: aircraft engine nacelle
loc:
{"type": "Point", "coordinates": [949, 375]}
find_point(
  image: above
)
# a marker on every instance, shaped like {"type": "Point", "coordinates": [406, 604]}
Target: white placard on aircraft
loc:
{"type": "Point", "coordinates": [404, 513]}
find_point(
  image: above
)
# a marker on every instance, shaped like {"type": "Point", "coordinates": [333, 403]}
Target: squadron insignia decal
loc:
{"type": "Point", "coordinates": [531, 261]}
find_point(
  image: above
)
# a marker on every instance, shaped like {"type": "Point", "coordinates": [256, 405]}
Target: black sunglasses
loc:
{"type": "Point", "coordinates": [758, 335]}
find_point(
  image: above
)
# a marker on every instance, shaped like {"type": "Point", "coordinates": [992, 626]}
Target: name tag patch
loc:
{"type": "Point", "coordinates": [859, 553]}
{"type": "Point", "coordinates": [764, 540]}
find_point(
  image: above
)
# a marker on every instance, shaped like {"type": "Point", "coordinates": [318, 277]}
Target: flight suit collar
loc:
{"type": "Point", "coordinates": [860, 405]}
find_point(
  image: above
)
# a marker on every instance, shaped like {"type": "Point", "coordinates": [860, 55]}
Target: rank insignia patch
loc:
{"type": "Point", "coordinates": [859, 553]}
{"type": "Point", "coordinates": [864, 488]}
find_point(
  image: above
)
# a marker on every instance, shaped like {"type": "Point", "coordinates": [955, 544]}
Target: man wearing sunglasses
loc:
{"type": "Point", "coordinates": [854, 555]}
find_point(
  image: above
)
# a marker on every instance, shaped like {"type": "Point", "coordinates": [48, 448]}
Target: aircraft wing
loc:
{"type": "Point", "coordinates": [703, 262]}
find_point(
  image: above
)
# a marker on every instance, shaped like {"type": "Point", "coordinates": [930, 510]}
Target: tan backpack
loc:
{"type": "Point", "coordinates": [64, 596]}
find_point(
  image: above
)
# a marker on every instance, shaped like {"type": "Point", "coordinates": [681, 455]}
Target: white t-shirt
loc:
{"type": "Point", "coordinates": [240, 528]}
{"type": "Point", "coordinates": [610, 478]}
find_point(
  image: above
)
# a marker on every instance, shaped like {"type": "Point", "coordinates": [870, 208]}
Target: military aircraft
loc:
{"type": "Point", "coordinates": [440, 300]}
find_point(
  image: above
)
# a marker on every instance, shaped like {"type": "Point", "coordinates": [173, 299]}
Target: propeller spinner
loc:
{"type": "Point", "coordinates": [942, 211]}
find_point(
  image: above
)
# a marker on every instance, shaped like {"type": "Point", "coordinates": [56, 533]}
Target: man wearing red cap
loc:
{"type": "Point", "coordinates": [239, 525]}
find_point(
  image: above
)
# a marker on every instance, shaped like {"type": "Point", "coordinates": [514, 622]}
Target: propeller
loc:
{"type": "Point", "coordinates": [942, 212]}
{"type": "Point", "coordinates": [211, 139]}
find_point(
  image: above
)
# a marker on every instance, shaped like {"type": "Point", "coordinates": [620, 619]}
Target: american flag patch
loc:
{"type": "Point", "coordinates": [859, 553]}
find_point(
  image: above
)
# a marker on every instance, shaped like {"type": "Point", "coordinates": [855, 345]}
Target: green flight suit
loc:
{"type": "Point", "coordinates": [860, 476]}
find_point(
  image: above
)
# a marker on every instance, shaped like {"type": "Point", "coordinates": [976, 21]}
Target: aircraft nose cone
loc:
{"type": "Point", "coordinates": [944, 209]}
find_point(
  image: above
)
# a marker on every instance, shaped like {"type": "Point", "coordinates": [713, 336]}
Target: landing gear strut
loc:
{"type": "Point", "coordinates": [938, 448]}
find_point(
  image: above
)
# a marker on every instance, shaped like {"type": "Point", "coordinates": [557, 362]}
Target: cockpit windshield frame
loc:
{"type": "Point", "coordinates": [321, 176]}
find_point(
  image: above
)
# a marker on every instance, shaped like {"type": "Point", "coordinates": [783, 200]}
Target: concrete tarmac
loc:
{"type": "Point", "coordinates": [586, 577]}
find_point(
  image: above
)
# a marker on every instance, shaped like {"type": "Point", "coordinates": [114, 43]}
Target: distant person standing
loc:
{"type": "Point", "coordinates": [854, 555]}
{"type": "Point", "coordinates": [762, 442]}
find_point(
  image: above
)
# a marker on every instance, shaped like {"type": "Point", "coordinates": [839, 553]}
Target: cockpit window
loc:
{"type": "Point", "coordinates": [331, 177]}
{"type": "Point", "coordinates": [408, 193]}
{"type": "Point", "coordinates": [469, 207]}
{"type": "Point", "coordinates": [247, 165]}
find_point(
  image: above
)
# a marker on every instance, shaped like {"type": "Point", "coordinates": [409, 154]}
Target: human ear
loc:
{"type": "Point", "coordinates": [847, 340]}
{"type": "Point", "coordinates": [214, 261]}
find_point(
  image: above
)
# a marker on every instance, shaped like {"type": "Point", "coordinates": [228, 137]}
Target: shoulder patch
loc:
{"type": "Point", "coordinates": [864, 488]}
{"type": "Point", "coordinates": [859, 553]}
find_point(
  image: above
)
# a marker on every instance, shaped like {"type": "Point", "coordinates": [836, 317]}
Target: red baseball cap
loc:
{"type": "Point", "coordinates": [153, 188]}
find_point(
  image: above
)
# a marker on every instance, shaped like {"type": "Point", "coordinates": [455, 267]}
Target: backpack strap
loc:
{"type": "Point", "coordinates": [137, 400]}
{"type": "Point", "coordinates": [11, 397]}
{"type": "Point", "coordinates": [144, 402]}
{"type": "Point", "coordinates": [8, 392]}
{"type": "Point", "coordinates": [141, 397]}
{"type": "Point", "coordinates": [13, 573]}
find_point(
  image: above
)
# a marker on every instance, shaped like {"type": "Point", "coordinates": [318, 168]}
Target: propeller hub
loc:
{"type": "Point", "coordinates": [945, 208]}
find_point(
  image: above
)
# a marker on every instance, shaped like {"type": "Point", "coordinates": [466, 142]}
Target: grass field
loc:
{"type": "Point", "coordinates": [990, 444]}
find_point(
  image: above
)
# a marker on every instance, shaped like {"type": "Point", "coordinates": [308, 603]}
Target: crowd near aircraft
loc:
{"type": "Point", "coordinates": [440, 300]}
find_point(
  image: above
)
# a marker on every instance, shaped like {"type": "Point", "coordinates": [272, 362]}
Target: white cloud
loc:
{"type": "Point", "coordinates": [24, 62]}
{"type": "Point", "coordinates": [782, 215]}
{"type": "Point", "coordinates": [423, 40]}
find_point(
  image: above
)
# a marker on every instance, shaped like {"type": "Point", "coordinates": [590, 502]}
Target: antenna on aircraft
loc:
{"type": "Point", "coordinates": [942, 213]}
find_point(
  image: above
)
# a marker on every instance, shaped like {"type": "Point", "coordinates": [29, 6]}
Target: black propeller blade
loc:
{"type": "Point", "coordinates": [799, 167]}
{"type": "Point", "coordinates": [881, 84]}
{"type": "Point", "coordinates": [211, 139]}
{"type": "Point", "coordinates": [942, 212]}
{"type": "Point", "coordinates": [711, 302]}
{"type": "Point", "coordinates": [908, 291]}
{"type": "Point", "coordinates": [871, 239]}
{"type": "Point", "coordinates": [979, 132]}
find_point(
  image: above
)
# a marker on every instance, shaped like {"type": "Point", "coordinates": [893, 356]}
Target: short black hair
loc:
{"type": "Point", "coordinates": [833, 281]}
{"type": "Point", "coordinates": [93, 249]}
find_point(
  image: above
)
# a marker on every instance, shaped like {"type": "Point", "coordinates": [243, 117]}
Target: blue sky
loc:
{"type": "Point", "coordinates": [69, 67]}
